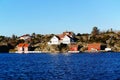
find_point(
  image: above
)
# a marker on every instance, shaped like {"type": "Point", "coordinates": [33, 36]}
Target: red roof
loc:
{"type": "Point", "coordinates": [23, 45]}
{"type": "Point", "coordinates": [68, 33]}
{"type": "Point", "coordinates": [26, 45]}
{"type": "Point", "coordinates": [61, 36]}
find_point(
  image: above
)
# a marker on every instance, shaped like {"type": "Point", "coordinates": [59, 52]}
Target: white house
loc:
{"type": "Point", "coordinates": [54, 40]}
{"type": "Point", "coordinates": [66, 40]}
{"type": "Point", "coordinates": [71, 34]}
{"type": "Point", "coordinates": [60, 39]}
{"type": "Point", "coordinates": [25, 37]}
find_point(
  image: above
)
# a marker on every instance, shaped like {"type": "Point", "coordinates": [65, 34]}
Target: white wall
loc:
{"type": "Point", "coordinates": [25, 37]}
{"type": "Point", "coordinates": [54, 40]}
{"type": "Point", "coordinates": [66, 40]}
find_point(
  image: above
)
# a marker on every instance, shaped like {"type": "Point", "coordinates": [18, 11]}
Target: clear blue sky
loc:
{"type": "Point", "coordinates": [55, 16]}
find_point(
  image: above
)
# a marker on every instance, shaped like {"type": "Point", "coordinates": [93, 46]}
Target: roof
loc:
{"type": "Point", "coordinates": [68, 33]}
{"type": "Point", "coordinates": [74, 45]}
{"type": "Point", "coordinates": [26, 45]}
{"type": "Point", "coordinates": [25, 35]}
{"type": "Point", "coordinates": [23, 45]}
{"type": "Point", "coordinates": [94, 44]}
{"type": "Point", "coordinates": [61, 36]}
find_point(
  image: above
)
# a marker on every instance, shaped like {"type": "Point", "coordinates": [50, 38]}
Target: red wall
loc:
{"type": "Point", "coordinates": [94, 46]}
{"type": "Point", "coordinates": [74, 48]}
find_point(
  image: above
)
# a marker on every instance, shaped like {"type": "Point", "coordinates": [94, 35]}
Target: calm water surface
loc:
{"type": "Point", "coordinates": [104, 66]}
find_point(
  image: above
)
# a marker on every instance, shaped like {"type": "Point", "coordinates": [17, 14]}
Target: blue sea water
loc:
{"type": "Point", "coordinates": [82, 66]}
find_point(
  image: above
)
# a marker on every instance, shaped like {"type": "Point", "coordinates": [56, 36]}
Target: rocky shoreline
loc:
{"type": "Point", "coordinates": [39, 42]}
